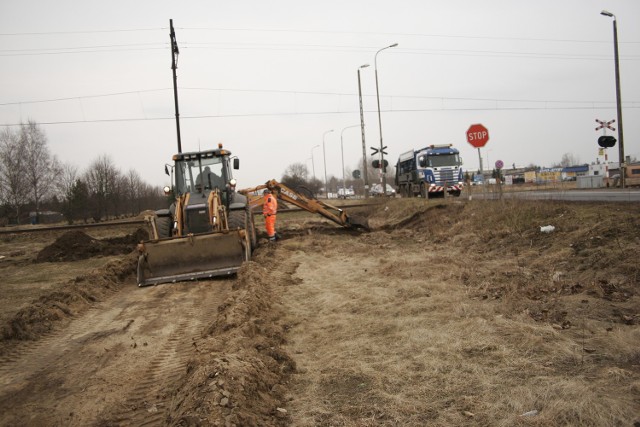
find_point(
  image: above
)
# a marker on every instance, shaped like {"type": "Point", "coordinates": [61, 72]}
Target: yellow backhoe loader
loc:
{"type": "Point", "coordinates": [207, 231]}
{"type": "Point", "coordinates": [306, 202]}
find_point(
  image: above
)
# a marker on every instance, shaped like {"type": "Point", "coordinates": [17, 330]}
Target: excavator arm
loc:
{"type": "Point", "coordinates": [312, 205]}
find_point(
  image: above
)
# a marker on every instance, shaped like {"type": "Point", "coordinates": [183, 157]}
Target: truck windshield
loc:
{"type": "Point", "coordinates": [444, 160]}
{"type": "Point", "coordinates": [199, 175]}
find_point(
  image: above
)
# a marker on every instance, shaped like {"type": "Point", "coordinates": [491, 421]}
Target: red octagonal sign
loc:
{"type": "Point", "coordinates": [477, 135]}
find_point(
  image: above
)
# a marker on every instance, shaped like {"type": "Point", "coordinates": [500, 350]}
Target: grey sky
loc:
{"type": "Point", "coordinates": [268, 78]}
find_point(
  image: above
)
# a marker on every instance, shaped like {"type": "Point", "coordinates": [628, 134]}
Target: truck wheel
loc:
{"type": "Point", "coordinates": [423, 191]}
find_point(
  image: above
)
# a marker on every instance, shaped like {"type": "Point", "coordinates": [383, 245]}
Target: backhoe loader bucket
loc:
{"type": "Point", "coordinates": [359, 222]}
{"type": "Point", "coordinates": [192, 257]}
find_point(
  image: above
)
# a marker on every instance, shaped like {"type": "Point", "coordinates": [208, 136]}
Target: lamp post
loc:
{"type": "Point", "coordinates": [364, 147]}
{"type": "Point", "coordinates": [618, 98]}
{"type": "Point", "coordinates": [375, 62]}
{"type": "Point", "coordinates": [324, 154]}
{"type": "Point", "coordinates": [313, 164]}
{"type": "Point", "coordinates": [344, 187]}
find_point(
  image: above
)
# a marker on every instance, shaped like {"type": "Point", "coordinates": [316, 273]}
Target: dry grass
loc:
{"type": "Point", "coordinates": [463, 314]}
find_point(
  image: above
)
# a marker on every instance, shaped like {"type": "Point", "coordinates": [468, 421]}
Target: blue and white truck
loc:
{"type": "Point", "coordinates": [429, 172]}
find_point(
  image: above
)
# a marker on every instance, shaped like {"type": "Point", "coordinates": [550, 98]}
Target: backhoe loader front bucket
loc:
{"type": "Point", "coordinates": [192, 257]}
{"type": "Point", "coordinates": [359, 222]}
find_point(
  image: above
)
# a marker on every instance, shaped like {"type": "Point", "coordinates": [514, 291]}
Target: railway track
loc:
{"type": "Point", "coordinates": [36, 229]}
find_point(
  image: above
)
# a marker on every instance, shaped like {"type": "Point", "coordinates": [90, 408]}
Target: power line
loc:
{"type": "Point", "coordinates": [414, 51]}
{"type": "Point", "coordinates": [50, 33]}
{"type": "Point", "coordinates": [298, 92]}
{"type": "Point", "coordinates": [74, 98]}
{"type": "Point", "coordinates": [83, 51]}
{"type": "Point", "coordinates": [82, 47]}
{"type": "Point", "coordinates": [395, 34]}
{"type": "Point", "coordinates": [319, 113]}
{"type": "Point", "coordinates": [305, 47]}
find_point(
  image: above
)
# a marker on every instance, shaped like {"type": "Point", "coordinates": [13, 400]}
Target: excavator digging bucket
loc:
{"type": "Point", "coordinates": [191, 257]}
{"type": "Point", "coordinates": [359, 222]}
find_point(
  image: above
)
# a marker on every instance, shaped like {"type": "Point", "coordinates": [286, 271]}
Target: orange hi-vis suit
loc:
{"type": "Point", "coordinates": [269, 210]}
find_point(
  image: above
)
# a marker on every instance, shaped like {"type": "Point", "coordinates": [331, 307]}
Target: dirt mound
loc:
{"type": "Point", "coordinates": [76, 245]}
{"type": "Point", "coordinates": [241, 374]}
{"type": "Point", "coordinates": [42, 315]}
{"type": "Point", "coordinates": [592, 251]}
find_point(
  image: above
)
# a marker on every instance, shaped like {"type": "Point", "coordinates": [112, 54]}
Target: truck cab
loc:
{"type": "Point", "coordinates": [430, 172]}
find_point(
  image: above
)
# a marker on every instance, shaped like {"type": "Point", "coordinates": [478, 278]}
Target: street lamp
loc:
{"type": "Point", "coordinates": [324, 154]}
{"type": "Point", "coordinates": [618, 98]}
{"type": "Point", "coordinates": [364, 147]}
{"type": "Point", "coordinates": [313, 164]}
{"type": "Point", "coordinates": [344, 187]}
{"type": "Point", "coordinates": [375, 62]}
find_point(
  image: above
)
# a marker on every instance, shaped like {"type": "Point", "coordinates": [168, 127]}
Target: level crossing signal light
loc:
{"type": "Point", "coordinates": [356, 174]}
{"type": "Point", "coordinates": [376, 165]}
{"type": "Point", "coordinates": [606, 141]}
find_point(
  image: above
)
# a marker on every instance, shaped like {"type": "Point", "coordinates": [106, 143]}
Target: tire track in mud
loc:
{"type": "Point", "coordinates": [150, 399]}
{"type": "Point", "coordinates": [117, 361]}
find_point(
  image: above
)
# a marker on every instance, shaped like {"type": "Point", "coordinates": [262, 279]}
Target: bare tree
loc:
{"type": "Point", "coordinates": [40, 167]}
{"type": "Point", "coordinates": [133, 191]}
{"type": "Point", "coordinates": [14, 186]}
{"type": "Point", "coordinates": [101, 177]}
{"type": "Point", "coordinates": [569, 159]}
{"type": "Point", "coordinates": [66, 180]}
{"type": "Point", "coordinates": [66, 189]}
{"type": "Point", "coordinates": [295, 175]}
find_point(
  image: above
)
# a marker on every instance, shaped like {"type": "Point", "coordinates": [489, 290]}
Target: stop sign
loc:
{"type": "Point", "coordinates": [477, 135]}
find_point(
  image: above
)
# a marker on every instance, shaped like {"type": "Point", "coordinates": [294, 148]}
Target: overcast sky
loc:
{"type": "Point", "coordinates": [269, 78]}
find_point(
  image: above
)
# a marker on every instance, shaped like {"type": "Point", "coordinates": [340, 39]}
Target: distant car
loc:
{"type": "Point", "coordinates": [343, 193]}
{"type": "Point", "coordinates": [376, 190]}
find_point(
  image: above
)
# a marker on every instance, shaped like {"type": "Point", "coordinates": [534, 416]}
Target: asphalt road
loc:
{"type": "Point", "coordinates": [598, 195]}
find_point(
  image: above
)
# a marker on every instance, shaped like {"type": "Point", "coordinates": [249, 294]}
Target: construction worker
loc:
{"type": "Point", "coordinates": [269, 210]}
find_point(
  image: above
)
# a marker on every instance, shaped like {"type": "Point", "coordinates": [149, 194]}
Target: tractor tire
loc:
{"type": "Point", "coordinates": [252, 229]}
{"type": "Point", "coordinates": [237, 219]}
{"type": "Point", "coordinates": [164, 226]}
{"type": "Point", "coordinates": [241, 219]}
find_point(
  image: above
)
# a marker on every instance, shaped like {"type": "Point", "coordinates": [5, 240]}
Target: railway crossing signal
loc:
{"type": "Point", "coordinates": [606, 141]}
{"type": "Point", "coordinates": [604, 124]}
{"type": "Point", "coordinates": [378, 150]}
{"type": "Point", "coordinates": [376, 164]}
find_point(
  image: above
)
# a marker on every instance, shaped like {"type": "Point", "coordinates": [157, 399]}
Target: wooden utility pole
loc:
{"type": "Point", "coordinates": [174, 66]}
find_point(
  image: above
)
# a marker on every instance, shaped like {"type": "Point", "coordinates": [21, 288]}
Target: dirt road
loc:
{"type": "Point", "coordinates": [444, 314]}
{"type": "Point", "coordinates": [115, 364]}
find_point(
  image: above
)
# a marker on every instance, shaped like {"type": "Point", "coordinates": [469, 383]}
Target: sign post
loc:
{"type": "Point", "coordinates": [478, 136]}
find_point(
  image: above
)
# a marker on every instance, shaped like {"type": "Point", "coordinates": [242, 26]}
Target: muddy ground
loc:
{"type": "Point", "coordinates": [446, 313]}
